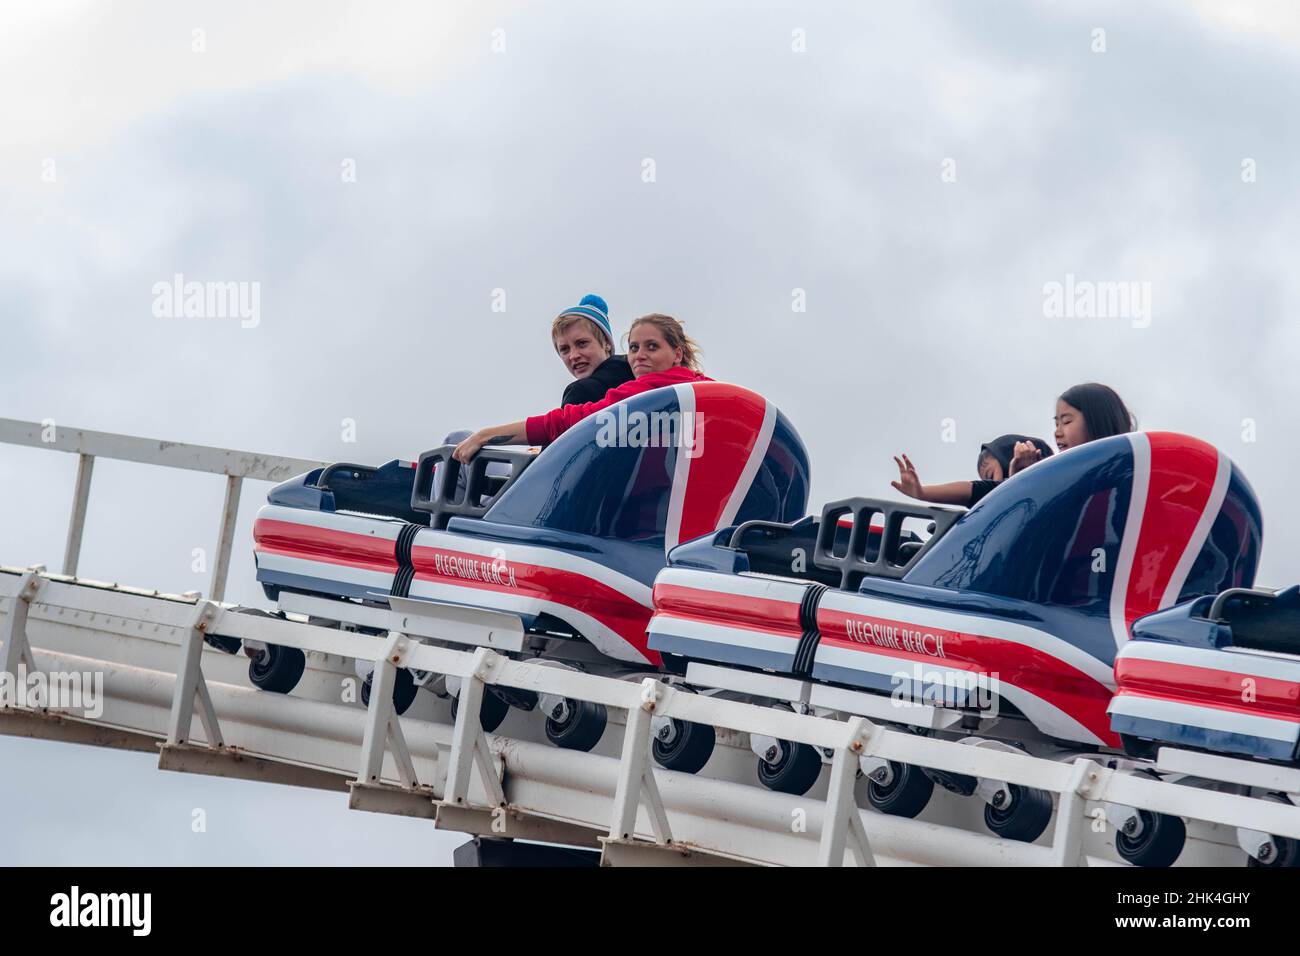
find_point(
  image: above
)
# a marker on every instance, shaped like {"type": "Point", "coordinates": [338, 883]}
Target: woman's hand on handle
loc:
{"type": "Point", "coordinates": [511, 434]}
{"type": "Point", "coordinates": [469, 447]}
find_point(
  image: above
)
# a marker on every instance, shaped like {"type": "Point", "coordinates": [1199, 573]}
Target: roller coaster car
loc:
{"type": "Point", "coordinates": [567, 541]}
{"type": "Point", "coordinates": [1013, 610]}
{"type": "Point", "coordinates": [1220, 674]}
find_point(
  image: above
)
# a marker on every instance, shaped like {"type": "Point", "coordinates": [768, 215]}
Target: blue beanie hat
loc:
{"type": "Point", "coordinates": [593, 307]}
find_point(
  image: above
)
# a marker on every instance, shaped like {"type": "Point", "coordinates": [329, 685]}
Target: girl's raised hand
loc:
{"type": "Point", "coordinates": [1025, 454]}
{"type": "Point", "coordinates": [909, 483]}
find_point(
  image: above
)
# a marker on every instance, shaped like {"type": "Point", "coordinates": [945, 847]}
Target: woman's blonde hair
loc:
{"type": "Point", "coordinates": [674, 335]}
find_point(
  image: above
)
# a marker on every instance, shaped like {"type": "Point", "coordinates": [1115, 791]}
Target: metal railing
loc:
{"type": "Point", "coordinates": [88, 445]}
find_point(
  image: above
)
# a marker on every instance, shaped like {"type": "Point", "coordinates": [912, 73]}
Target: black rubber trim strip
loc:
{"type": "Point", "coordinates": [807, 649]}
{"type": "Point", "coordinates": [402, 581]}
{"type": "Point", "coordinates": [405, 568]}
{"type": "Point", "coordinates": [405, 538]}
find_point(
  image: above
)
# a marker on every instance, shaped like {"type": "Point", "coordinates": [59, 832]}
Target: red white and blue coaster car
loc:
{"type": "Point", "coordinates": [1218, 678]}
{"type": "Point", "coordinates": [566, 542]}
{"type": "Point", "coordinates": [1000, 629]}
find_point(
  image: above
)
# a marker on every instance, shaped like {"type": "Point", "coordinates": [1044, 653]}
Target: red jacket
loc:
{"type": "Point", "coordinates": [544, 429]}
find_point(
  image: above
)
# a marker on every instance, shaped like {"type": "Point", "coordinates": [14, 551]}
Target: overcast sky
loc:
{"type": "Point", "coordinates": [920, 171]}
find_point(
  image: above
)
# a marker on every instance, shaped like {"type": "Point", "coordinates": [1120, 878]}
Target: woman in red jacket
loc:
{"type": "Point", "coordinates": [660, 352]}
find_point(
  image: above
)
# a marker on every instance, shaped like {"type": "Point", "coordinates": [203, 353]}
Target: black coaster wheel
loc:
{"type": "Point", "coordinates": [580, 727]}
{"type": "Point", "coordinates": [1287, 854]}
{"type": "Point", "coordinates": [277, 669]}
{"type": "Point", "coordinates": [403, 692]}
{"type": "Point", "coordinates": [1023, 818]}
{"type": "Point", "coordinates": [688, 747]}
{"type": "Point", "coordinates": [491, 712]}
{"type": "Point", "coordinates": [795, 770]}
{"type": "Point", "coordinates": [1157, 845]}
{"type": "Point", "coordinates": [906, 794]}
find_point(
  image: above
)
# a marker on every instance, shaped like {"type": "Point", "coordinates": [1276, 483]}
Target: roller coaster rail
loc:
{"type": "Point", "coordinates": [159, 675]}
{"type": "Point", "coordinates": [89, 445]}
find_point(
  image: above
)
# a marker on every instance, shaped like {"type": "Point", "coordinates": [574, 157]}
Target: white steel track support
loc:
{"type": "Point", "coordinates": [1067, 838]}
{"type": "Point", "coordinates": [191, 688]}
{"type": "Point", "coordinates": [469, 746]}
{"type": "Point", "coordinates": [841, 824]}
{"type": "Point", "coordinates": [383, 736]}
{"type": "Point", "coordinates": [383, 729]}
{"type": "Point", "coordinates": [636, 779]}
{"type": "Point", "coordinates": [17, 650]}
{"type": "Point", "coordinates": [77, 523]}
{"type": "Point", "coordinates": [226, 536]}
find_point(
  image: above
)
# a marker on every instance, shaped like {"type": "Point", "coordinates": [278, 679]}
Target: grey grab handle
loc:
{"type": "Point", "coordinates": [442, 503]}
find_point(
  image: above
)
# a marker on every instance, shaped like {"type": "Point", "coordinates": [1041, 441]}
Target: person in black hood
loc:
{"type": "Point", "coordinates": [584, 340]}
{"type": "Point", "coordinates": [1003, 457]}
{"type": "Point", "coordinates": [998, 460]}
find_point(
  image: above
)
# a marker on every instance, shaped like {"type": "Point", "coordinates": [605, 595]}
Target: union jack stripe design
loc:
{"type": "Point", "coordinates": [712, 480]}
{"type": "Point", "coordinates": [1178, 487]}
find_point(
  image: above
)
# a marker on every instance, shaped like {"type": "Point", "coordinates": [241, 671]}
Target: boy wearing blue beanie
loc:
{"type": "Point", "coordinates": [584, 340]}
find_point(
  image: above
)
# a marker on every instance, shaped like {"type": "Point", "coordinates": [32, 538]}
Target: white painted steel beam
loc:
{"type": "Point", "coordinates": [225, 537]}
{"type": "Point", "coordinates": [77, 523]}
{"type": "Point", "coordinates": [152, 451]}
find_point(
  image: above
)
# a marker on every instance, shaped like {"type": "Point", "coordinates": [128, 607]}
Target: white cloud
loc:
{"type": "Point", "coordinates": [1270, 21]}
{"type": "Point", "coordinates": [83, 71]}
